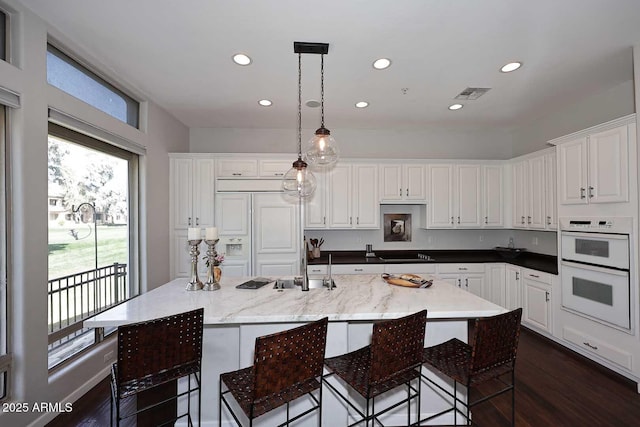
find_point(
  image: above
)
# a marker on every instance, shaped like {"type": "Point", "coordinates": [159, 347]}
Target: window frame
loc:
{"type": "Point", "coordinates": [5, 355]}
{"type": "Point", "coordinates": [4, 35]}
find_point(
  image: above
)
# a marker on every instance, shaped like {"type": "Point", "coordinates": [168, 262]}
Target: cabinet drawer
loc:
{"type": "Point", "coordinates": [237, 168]}
{"type": "Point", "coordinates": [317, 269]}
{"type": "Point", "coordinates": [538, 276]}
{"type": "Point", "coordinates": [461, 268]}
{"type": "Point", "coordinates": [410, 268]}
{"type": "Point", "coordinates": [357, 269]}
{"type": "Point", "coordinates": [273, 168]}
{"type": "Point", "coordinates": [596, 346]}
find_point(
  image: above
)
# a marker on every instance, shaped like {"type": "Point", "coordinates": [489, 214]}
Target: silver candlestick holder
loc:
{"type": "Point", "coordinates": [211, 284]}
{"type": "Point", "coordinates": [195, 284]}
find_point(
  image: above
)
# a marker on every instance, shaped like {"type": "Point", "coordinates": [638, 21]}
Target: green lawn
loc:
{"type": "Point", "coordinates": [68, 255]}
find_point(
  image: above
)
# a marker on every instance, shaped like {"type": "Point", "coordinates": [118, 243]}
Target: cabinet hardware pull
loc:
{"type": "Point", "coordinates": [458, 220]}
{"type": "Point", "coordinates": [459, 283]}
{"type": "Point", "coordinates": [546, 296]}
{"type": "Point", "coordinates": [595, 347]}
{"type": "Point", "coordinates": [197, 221]}
{"type": "Point", "coordinates": [528, 220]}
{"type": "Point", "coordinates": [522, 220]}
{"type": "Point", "coordinates": [189, 221]}
{"type": "Point", "coordinates": [324, 220]}
{"type": "Point", "coordinates": [451, 220]}
{"type": "Point", "coordinates": [581, 193]}
{"type": "Point", "coordinates": [486, 220]}
{"type": "Point", "coordinates": [548, 220]}
{"type": "Point", "coordinates": [590, 192]}
{"type": "Point", "coordinates": [357, 269]}
{"type": "Point", "coordinates": [466, 282]}
{"type": "Point", "coordinates": [534, 275]}
{"type": "Point", "coordinates": [357, 220]}
{"type": "Point", "coordinates": [517, 275]}
{"type": "Point", "coordinates": [400, 193]}
{"type": "Point", "coordinates": [315, 270]}
{"type": "Point", "coordinates": [462, 268]}
{"type": "Point", "coordinates": [279, 174]}
{"type": "Point", "coordinates": [236, 174]}
{"type": "Point", "coordinates": [407, 192]}
{"type": "Point", "coordinates": [350, 220]}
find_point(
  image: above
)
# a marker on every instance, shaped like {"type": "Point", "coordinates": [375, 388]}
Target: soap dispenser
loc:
{"type": "Point", "coordinates": [511, 245]}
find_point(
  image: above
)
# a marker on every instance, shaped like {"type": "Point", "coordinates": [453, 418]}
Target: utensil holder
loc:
{"type": "Point", "coordinates": [315, 252]}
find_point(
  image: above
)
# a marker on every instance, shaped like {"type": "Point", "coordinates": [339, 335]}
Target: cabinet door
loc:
{"type": "Point", "coordinates": [390, 182]}
{"type": "Point", "coordinates": [273, 168]}
{"type": "Point", "coordinates": [519, 195]}
{"type": "Point", "coordinates": [537, 303]}
{"type": "Point", "coordinates": [474, 283]}
{"type": "Point", "coordinates": [572, 172]}
{"type": "Point", "coordinates": [495, 287]}
{"type": "Point", "coordinates": [453, 279]}
{"type": "Point", "coordinates": [181, 174]}
{"type": "Point", "coordinates": [232, 214]}
{"type": "Point", "coordinates": [468, 196]}
{"type": "Point", "coordinates": [237, 168]}
{"type": "Point", "coordinates": [316, 205]}
{"type": "Point", "coordinates": [493, 195]}
{"type": "Point", "coordinates": [550, 171]}
{"type": "Point", "coordinates": [440, 204]}
{"type": "Point", "coordinates": [536, 194]}
{"type": "Point", "coordinates": [235, 268]}
{"type": "Point", "coordinates": [203, 192]}
{"type": "Point", "coordinates": [366, 209]}
{"type": "Point", "coordinates": [609, 166]}
{"type": "Point", "coordinates": [414, 183]}
{"type": "Point", "coordinates": [513, 287]}
{"type": "Point", "coordinates": [275, 225]}
{"type": "Point", "coordinates": [340, 198]}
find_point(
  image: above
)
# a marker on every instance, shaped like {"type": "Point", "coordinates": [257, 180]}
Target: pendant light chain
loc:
{"type": "Point", "coordinates": [322, 90]}
{"type": "Point", "coordinates": [299, 105]}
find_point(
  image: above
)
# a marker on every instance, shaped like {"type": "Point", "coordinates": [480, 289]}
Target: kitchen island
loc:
{"type": "Point", "coordinates": [235, 317]}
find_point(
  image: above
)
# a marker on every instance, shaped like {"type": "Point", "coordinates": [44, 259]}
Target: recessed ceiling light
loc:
{"type": "Point", "coordinates": [362, 104]}
{"type": "Point", "coordinates": [455, 107]}
{"type": "Point", "coordinates": [511, 66]}
{"type": "Point", "coordinates": [265, 103]}
{"type": "Point", "coordinates": [381, 64]}
{"type": "Point", "coordinates": [241, 59]}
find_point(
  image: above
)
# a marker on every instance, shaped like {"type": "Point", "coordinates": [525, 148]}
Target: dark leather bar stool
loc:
{"type": "Point", "coordinates": [287, 365]}
{"type": "Point", "coordinates": [393, 359]}
{"type": "Point", "coordinates": [157, 352]}
{"type": "Point", "coordinates": [490, 356]}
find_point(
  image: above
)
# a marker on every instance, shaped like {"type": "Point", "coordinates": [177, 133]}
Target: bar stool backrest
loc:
{"type": "Point", "coordinates": [146, 349]}
{"type": "Point", "coordinates": [397, 345]}
{"type": "Point", "coordinates": [289, 357]}
{"type": "Point", "coordinates": [496, 341]}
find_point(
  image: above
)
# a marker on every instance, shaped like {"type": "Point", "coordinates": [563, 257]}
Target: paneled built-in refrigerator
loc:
{"type": "Point", "coordinates": [258, 233]}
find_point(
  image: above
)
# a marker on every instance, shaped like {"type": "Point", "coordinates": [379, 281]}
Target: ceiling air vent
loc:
{"type": "Point", "coordinates": [471, 93]}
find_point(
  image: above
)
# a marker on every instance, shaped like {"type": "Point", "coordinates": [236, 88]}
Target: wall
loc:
{"type": "Point", "coordinates": [608, 104]}
{"type": "Point", "coordinates": [364, 143]}
{"type": "Point", "coordinates": [433, 239]}
{"type": "Point", "coordinates": [161, 133]}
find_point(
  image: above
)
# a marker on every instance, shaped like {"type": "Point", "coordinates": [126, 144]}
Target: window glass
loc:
{"type": "Point", "coordinates": [90, 190]}
{"type": "Point", "coordinates": [3, 36]}
{"type": "Point", "coordinates": [74, 79]}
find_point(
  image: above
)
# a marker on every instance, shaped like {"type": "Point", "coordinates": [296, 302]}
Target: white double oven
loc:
{"type": "Point", "coordinates": [595, 268]}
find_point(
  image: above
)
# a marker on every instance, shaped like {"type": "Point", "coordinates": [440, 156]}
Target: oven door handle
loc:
{"type": "Point", "coordinates": [587, 234]}
{"type": "Point", "coordinates": [605, 270]}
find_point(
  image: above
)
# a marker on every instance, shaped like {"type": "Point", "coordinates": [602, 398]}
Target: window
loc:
{"type": "Point", "coordinates": [76, 80]}
{"type": "Point", "coordinates": [4, 38]}
{"type": "Point", "coordinates": [4, 315]}
{"type": "Point", "coordinates": [92, 236]}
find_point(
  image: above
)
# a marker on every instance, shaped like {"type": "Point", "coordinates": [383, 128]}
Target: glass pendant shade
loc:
{"type": "Point", "coordinates": [299, 181]}
{"type": "Point", "coordinates": [322, 149]}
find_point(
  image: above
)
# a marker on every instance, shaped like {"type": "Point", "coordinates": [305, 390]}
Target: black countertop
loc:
{"type": "Point", "coordinates": [535, 261]}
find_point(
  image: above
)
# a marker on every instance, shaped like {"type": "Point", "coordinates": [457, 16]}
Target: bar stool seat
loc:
{"type": "Point", "coordinates": [287, 366]}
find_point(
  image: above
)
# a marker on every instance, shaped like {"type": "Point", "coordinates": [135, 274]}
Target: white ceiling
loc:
{"type": "Point", "coordinates": [178, 53]}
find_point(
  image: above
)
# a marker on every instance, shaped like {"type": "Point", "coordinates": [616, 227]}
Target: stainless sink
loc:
{"type": "Point", "coordinates": [282, 284]}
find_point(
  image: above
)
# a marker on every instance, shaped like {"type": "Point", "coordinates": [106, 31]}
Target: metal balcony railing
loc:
{"type": "Point", "coordinates": [76, 297]}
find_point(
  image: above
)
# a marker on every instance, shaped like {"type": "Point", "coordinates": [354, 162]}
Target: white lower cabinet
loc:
{"type": "Point", "coordinates": [419, 269]}
{"type": "Point", "coordinates": [235, 268]}
{"type": "Point", "coordinates": [537, 289]}
{"type": "Point", "coordinates": [513, 287]}
{"type": "Point", "coordinates": [495, 290]}
{"type": "Point", "coordinates": [470, 277]}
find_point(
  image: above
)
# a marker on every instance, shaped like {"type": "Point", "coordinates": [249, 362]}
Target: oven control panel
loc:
{"type": "Point", "coordinates": [622, 225]}
{"type": "Point", "coordinates": [596, 224]}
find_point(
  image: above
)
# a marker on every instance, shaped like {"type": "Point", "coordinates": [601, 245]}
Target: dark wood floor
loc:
{"type": "Point", "coordinates": [554, 387]}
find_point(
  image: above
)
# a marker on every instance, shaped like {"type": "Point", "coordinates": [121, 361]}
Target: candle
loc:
{"type": "Point", "coordinates": [194, 234]}
{"type": "Point", "coordinates": [211, 233]}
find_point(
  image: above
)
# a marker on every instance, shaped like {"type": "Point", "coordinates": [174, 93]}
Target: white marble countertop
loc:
{"type": "Point", "coordinates": [356, 297]}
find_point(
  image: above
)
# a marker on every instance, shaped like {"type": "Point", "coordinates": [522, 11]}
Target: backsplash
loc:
{"type": "Point", "coordinates": [434, 239]}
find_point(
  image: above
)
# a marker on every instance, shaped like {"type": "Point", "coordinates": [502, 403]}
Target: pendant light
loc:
{"type": "Point", "coordinates": [299, 181]}
{"type": "Point", "coordinates": [321, 149]}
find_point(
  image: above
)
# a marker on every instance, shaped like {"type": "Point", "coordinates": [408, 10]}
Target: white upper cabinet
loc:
{"type": "Point", "coordinates": [273, 168]}
{"type": "Point", "coordinates": [594, 168]}
{"type": "Point", "coordinates": [353, 196]}
{"type": "Point", "coordinates": [519, 182]}
{"type": "Point", "coordinates": [551, 185]}
{"type": "Point", "coordinates": [493, 196]}
{"type": "Point", "coordinates": [533, 192]}
{"type": "Point", "coordinates": [317, 206]}
{"type": "Point", "coordinates": [536, 193]}
{"type": "Point", "coordinates": [192, 192]}
{"type": "Point", "coordinates": [232, 214]}
{"type": "Point", "coordinates": [402, 183]}
{"type": "Point", "coordinates": [237, 168]}
{"type": "Point", "coordinates": [455, 196]}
